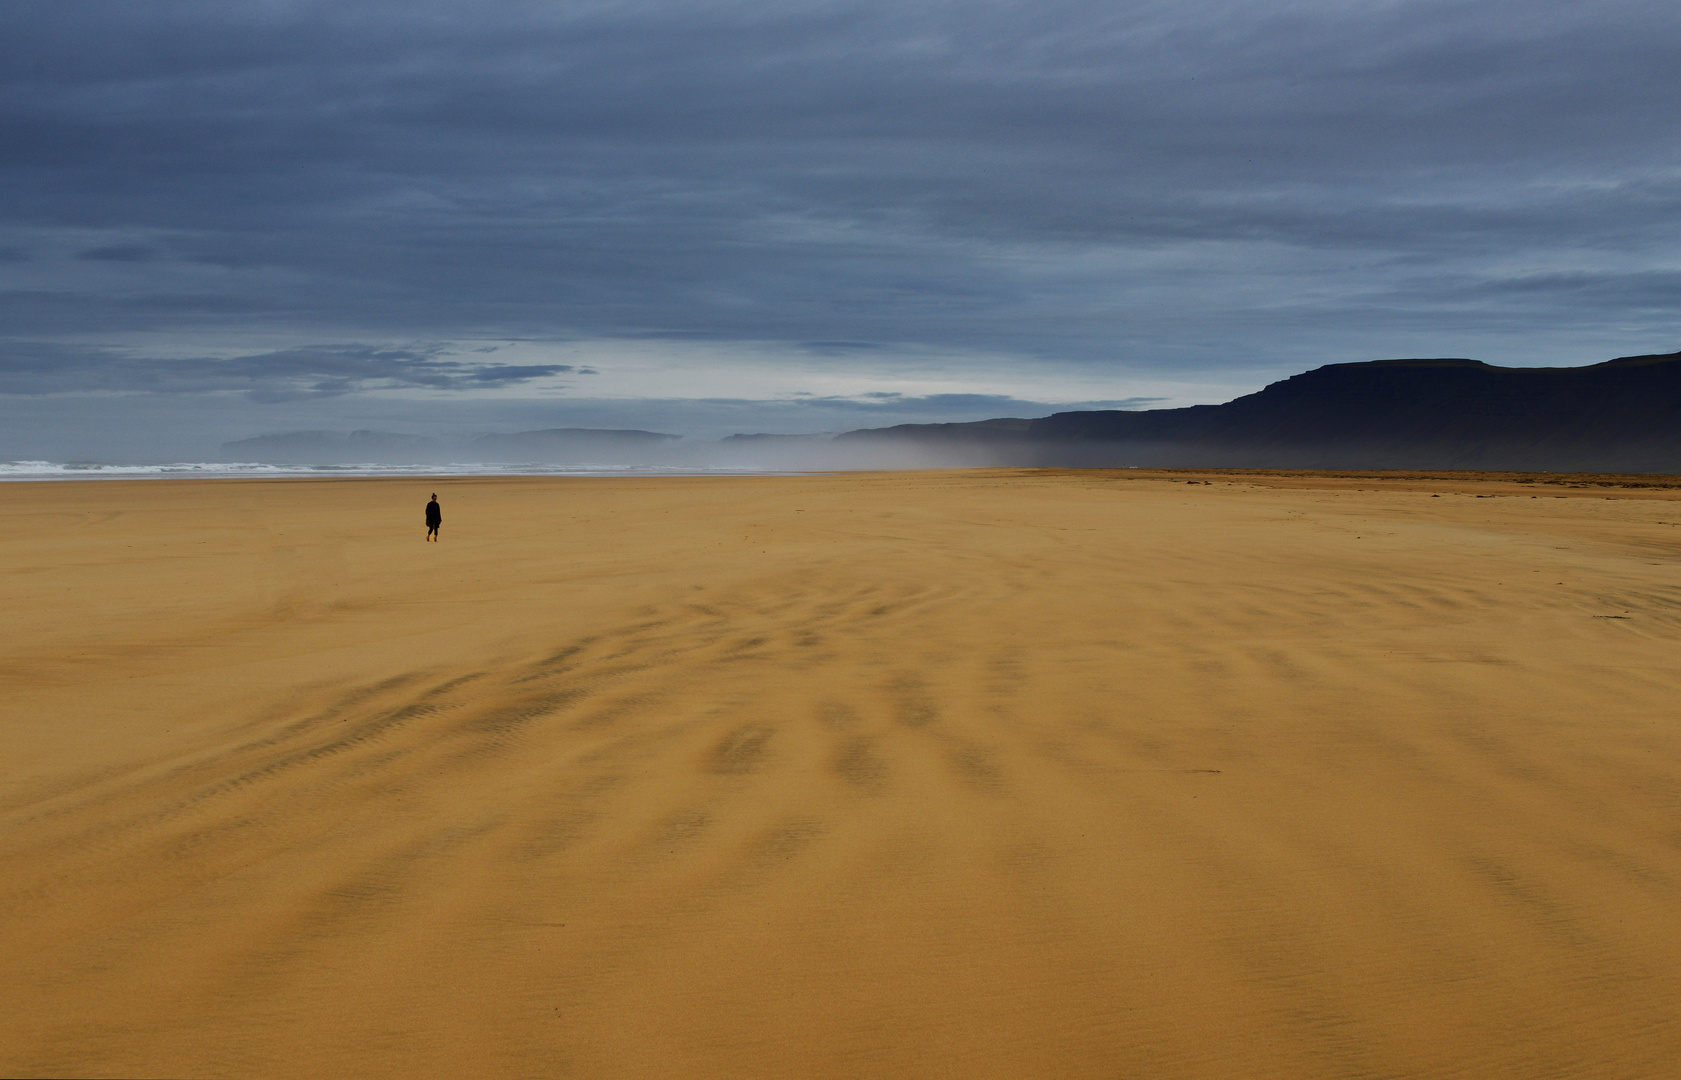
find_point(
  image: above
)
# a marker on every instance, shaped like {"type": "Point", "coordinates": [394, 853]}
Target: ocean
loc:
{"type": "Point", "coordinates": [223, 470]}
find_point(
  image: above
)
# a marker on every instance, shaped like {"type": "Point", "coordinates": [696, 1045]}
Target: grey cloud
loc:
{"type": "Point", "coordinates": [839, 348]}
{"type": "Point", "coordinates": [1187, 187]}
{"type": "Point", "coordinates": [976, 406]}
{"type": "Point", "coordinates": [119, 253]}
{"type": "Point", "coordinates": [1654, 289]}
{"type": "Point", "coordinates": [40, 368]}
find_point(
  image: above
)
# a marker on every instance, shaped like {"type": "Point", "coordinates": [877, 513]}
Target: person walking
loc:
{"type": "Point", "coordinates": [434, 518]}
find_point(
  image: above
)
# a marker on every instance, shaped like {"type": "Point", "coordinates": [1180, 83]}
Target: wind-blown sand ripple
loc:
{"type": "Point", "coordinates": [971, 774]}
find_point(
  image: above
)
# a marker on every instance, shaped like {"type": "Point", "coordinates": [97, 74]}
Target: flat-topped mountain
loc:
{"type": "Point", "coordinates": [1621, 415]}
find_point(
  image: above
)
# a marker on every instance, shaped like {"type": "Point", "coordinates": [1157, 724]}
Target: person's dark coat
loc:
{"type": "Point", "coordinates": [434, 515]}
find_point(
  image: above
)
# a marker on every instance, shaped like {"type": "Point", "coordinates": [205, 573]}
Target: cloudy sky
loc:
{"type": "Point", "coordinates": [220, 218]}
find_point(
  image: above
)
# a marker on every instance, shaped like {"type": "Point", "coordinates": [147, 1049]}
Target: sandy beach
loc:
{"type": "Point", "coordinates": [947, 774]}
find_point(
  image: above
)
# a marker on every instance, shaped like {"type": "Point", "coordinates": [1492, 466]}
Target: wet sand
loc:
{"type": "Point", "coordinates": [967, 774]}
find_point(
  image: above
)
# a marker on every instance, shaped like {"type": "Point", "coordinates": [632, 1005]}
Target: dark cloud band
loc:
{"type": "Point", "coordinates": [39, 368]}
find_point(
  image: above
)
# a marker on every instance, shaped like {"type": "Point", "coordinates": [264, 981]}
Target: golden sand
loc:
{"type": "Point", "coordinates": [968, 774]}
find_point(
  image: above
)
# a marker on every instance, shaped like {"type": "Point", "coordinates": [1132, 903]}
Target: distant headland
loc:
{"type": "Point", "coordinates": [551, 444]}
{"type": "Point", "coordinates": [1623, 415]}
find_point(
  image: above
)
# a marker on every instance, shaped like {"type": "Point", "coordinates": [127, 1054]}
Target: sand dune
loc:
{"type": "Point", "coordinates": [972, 774]}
